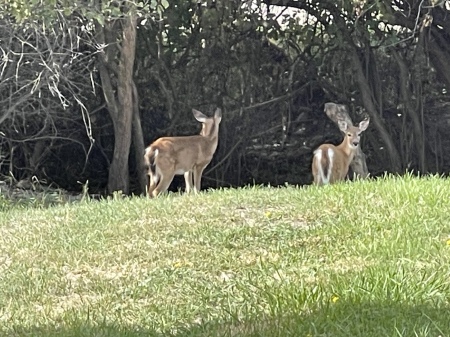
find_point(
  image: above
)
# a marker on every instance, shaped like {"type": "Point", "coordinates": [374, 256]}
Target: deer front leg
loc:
{"type": "Point", "coordinates": [198, 171]}
{"type": "Point", "coordinates": [188, 180]}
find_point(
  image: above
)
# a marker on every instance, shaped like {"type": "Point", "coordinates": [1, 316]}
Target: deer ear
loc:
{"type": "Point", "coordinates": [342, 126]}
{"type": "Point", "coordinates": [364, 124]}
{"type": "Point", "coordinates": [199, 116]}
{"type": "Point", "coordinates": [218, 115]}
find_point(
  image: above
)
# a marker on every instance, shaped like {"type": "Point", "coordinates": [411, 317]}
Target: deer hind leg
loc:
{"type": "Point", "coordinates": [150, 158]}
{"type": "Point", "coordinates": [317, 170]}
{"type": "Point", "coordinates": [323, 166]}
{"type": "Point", "coordinates": [329, 163]}
{"type": "Point", "coordinates": [163, 184]}
{"type": "Point", "coordinates": [153, 181]}
{"type": "Point", "coordinates": [164, 171]}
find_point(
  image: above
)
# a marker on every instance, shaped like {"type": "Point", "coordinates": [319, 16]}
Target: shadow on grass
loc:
{"type": "Point", "coordinates": [335, 319]}
{"type": "Point", "coordinates": [340, 319]}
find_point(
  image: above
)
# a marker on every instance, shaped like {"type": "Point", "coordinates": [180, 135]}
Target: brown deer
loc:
{"type": "Point", "coordinates": [330, 163]}
{"type": "Point", "coordinates": [188, 155]}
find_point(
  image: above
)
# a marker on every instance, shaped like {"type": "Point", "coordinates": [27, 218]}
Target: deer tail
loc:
{"type": "Point", "coordinates": [149, 158]}
{"type": "Point", "coordinates": [324, 161]}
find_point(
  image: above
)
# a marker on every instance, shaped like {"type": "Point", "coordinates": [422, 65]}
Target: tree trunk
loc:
{"type": "Point", "coordinates": [339, 112]}
{"type": "Point", "coordinates": [120, 108]}
{"type": "Point", "coordinates": [118, 179]}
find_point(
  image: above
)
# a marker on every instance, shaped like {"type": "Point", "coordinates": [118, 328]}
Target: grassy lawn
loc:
{"type": "Point", "coordinates": [366, 258]}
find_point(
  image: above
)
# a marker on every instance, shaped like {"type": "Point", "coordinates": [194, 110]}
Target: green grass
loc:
{"type": "Point", "coordinates": [368, 258]}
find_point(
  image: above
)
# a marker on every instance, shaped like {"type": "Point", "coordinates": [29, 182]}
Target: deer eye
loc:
{"type": "Point", "coordinates": [349, 134]}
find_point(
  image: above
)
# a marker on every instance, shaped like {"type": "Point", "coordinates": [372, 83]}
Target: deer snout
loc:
{"type": "Point", "coordinates": [355, 143]}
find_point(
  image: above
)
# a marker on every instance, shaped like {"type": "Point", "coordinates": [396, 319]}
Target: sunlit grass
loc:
{"type": "Point", "coordinates": [367, 258]}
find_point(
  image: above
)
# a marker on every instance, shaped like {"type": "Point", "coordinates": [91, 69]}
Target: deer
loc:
{"type": "Point", "coordinates": [184, 155]}
{"type": "Point", "coordinates": [330, 163]}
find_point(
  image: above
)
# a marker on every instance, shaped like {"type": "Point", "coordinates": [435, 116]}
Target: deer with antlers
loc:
{"type": "Point", "coordinates": [186, 155]}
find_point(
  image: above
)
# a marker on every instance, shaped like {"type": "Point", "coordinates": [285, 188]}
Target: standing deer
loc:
{"type": "Point", "coordinates": [330, 163]}
{"type": "Point", "coordinates": [188, 155]}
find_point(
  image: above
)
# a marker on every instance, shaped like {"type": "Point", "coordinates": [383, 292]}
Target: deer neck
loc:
{"type": "Point", "coordinates": [211, 139]}
{"type": "Point", "coordinates": [347, 150]}
{"type": "Point", "coordinates": [213, 135]}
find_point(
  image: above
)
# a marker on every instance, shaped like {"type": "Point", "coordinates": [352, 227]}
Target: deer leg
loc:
{"type": "Point", "coordinates": [163, 185]}
{"type": "Point", "coordinates": [198, 171]}
{"type": "Point", "coordinates": [152, 181]}
{"type": "Point", "coordinates": [188, 180]}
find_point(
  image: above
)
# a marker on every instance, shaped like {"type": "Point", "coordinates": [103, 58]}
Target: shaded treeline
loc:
{"type": "Point", "coordinates": [84, 87]}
